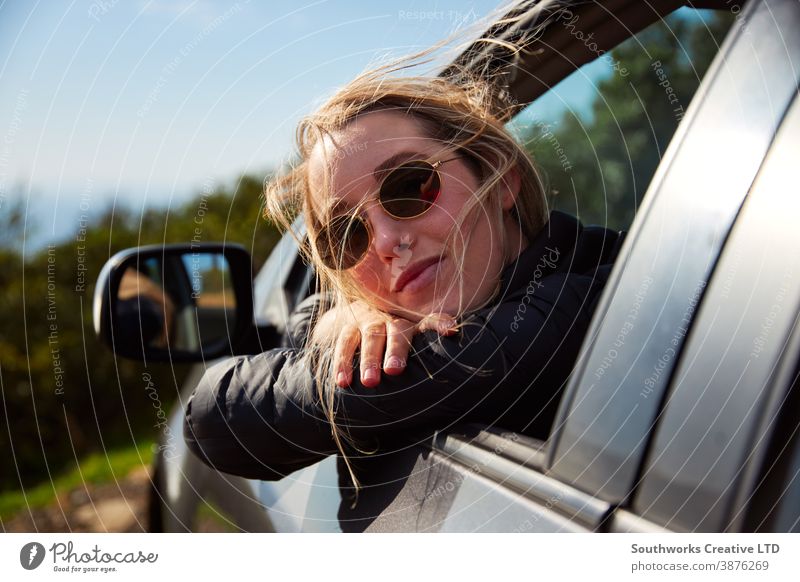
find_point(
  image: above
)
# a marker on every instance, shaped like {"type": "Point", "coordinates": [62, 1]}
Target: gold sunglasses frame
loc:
{"type": "Point", "coordinates": [357, 216]}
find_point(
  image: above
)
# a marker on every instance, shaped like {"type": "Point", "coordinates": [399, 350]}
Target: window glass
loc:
{"type": "Point", "coordinates": [599, 135]}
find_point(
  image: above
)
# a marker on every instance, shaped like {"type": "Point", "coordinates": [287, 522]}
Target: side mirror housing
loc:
{"type": "Point", "coordinates": [176, 303]}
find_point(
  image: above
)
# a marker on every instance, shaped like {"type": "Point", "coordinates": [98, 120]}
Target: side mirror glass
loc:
{"type": "Point", "coordinates": [175, 302]}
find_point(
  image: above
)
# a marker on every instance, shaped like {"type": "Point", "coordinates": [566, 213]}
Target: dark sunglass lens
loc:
{"type": "Point", "coordinates": [343, 242]}
{"type": "Point", "coordinates": [410, 190]}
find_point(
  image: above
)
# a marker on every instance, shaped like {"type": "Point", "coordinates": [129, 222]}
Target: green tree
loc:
{"type": "Point", "coordinates": [62, 394]}
{"type": "Point", "coordinates": [608, 157]}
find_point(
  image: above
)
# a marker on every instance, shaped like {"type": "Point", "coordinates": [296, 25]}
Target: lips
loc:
{"type": "Point", "coordinates": [415, 271]}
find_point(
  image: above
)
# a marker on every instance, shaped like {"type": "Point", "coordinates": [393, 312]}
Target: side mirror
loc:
{"type": "Point", "coordinates": [177, 303]}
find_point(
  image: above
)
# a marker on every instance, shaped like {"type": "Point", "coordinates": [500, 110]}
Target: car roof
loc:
{"type": "Point", "coordinates": [548, 29]}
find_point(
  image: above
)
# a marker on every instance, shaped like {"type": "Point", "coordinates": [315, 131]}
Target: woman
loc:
{"type": "Point", "coordinates": [428, 229]}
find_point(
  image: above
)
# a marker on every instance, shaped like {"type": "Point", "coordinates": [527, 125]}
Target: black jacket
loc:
{"type": "Point", "coordinates": [260, 416]}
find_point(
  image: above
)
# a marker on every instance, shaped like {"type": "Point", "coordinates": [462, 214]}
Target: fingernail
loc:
{"type": "Point", "coordinates": [394, 362]}
{"type": "Point", "coordinates": [371, 375]}
{"type": "Point", "coordinates": [341, 379]}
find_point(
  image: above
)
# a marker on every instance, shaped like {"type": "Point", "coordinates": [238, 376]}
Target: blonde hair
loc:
{"type": "Point", "coordinates": [462, 112]}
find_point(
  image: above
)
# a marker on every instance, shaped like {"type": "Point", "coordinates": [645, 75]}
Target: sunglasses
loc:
{"type": "Point", "coordinates": [408, 191]}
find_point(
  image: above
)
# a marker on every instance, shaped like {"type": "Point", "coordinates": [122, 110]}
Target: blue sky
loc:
{"type": "Point", "coordinates": [150, 101]}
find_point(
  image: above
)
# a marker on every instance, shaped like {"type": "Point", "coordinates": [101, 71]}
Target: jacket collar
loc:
{"type": "Point", "coordinates": [544, 254]}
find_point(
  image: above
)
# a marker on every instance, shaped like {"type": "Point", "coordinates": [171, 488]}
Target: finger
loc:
{"type": "Point", "coordinates": [441, 323]}
{"type": "Point", "coordinates": [373, 342]}
{"type": "Point", "coordinates": [399, 333]}
{"type": "Point", "coordinates": [343, 352]}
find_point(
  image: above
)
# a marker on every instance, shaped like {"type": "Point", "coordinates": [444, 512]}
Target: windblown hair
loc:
{"type": "Point", "coordinates": [462, 113]}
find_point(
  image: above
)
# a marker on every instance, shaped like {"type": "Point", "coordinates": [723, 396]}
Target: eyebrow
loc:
{"type": "Point", "coordinates": [392, 162]}
{"type": "Point", "coordinates": [378, 173]}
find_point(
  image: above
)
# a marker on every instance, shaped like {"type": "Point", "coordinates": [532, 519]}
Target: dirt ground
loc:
{"type": "Point", "coordinates": [111, 507]}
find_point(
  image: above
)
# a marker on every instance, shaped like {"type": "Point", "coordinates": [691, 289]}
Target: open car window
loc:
{"type": "Point", "coordinates": [599, 134]}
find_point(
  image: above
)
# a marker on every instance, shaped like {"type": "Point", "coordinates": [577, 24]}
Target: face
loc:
{"type": "Point", "coordinates": [431, 263]}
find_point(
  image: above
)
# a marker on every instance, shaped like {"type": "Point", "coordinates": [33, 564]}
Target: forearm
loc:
{"type": "Point", "coordinates": [258, 416]}
{"type": "Point", "coordinates": [262, 417]}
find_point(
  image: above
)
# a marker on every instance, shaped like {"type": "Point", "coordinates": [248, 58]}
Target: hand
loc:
{"type": "Point", "coordinates": [384, 340]}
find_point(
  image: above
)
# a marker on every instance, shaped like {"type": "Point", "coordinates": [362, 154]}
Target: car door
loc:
{"type": "Point", "coordinates": [725, 437]}
{"type": "Point", "coordinates": [618, 397]}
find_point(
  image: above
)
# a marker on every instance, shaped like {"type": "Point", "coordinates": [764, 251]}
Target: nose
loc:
{"type": "Point", "coordinates": [391, 237]}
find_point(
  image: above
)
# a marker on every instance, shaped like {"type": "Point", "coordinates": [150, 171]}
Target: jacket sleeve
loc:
{"type": "Point", "coordinates": [260, 416]}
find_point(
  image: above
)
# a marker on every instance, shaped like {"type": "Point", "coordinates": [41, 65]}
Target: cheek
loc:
{"type": "Point", "coordinates": [365, 276]}
{"type": "Point", "coordinates": [483, 258]}
{"type": "Point", "coordinates": [472, 239]}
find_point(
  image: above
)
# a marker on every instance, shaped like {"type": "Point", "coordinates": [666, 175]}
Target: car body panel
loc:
{"type": "Point", "coordinates": [305, 501]}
